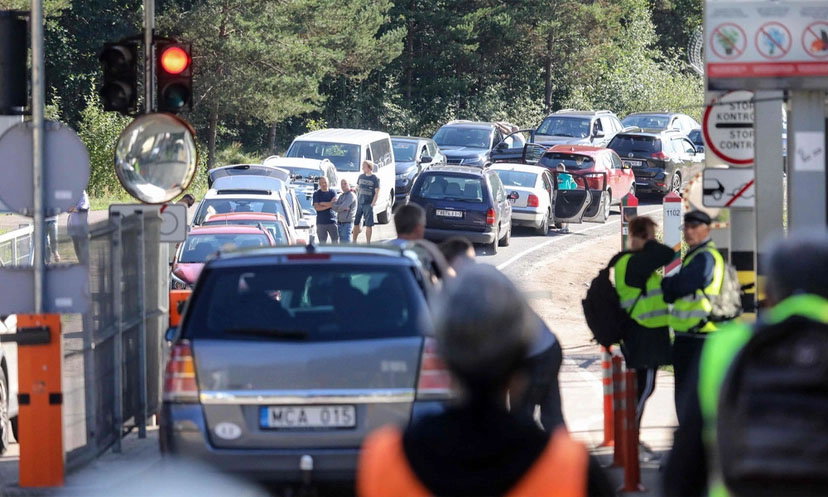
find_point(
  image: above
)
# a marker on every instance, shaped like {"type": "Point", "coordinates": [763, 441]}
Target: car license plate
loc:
{"type": "Point", "coordinates": [299, 417]}
{"type": "Point", "coordinates": [634, 163]}
{"type": "Point", "coordinates": [449, 213]}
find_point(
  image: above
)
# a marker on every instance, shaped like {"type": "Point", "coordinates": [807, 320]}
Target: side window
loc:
{"type": "Point", "coordinates": [616, 161]}
{"type": "Point", "coordinates": [677, 145]}
{"type": "Point", "coordinates": [547, 183]}
{"type": "Point", "coordinates": [598, 126]}
{"type": "Point", "coordinates": [432, 148]}
{"type": "Point", "coordinates": [381, 150]}
{"type": "Point", "coordinates": [618, 126]}
{"type": "Point", "coordinates": [606, 124]}
{"type": "Point", "coordinates": [688, 146]}
{"type": "Point", "coordinates": [423, 151]}
{"type": "Point", "coordinates": [497, 138]}
{"type": "Point", "coordinates": [368, 155]}
{"type": "Point", "coordinates": [497, 188]}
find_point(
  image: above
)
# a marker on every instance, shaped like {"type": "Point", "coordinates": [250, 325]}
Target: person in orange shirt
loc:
{"type": "Point", "coordinates": [476, 447]}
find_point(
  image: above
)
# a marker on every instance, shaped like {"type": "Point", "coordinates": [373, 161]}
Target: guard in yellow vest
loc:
{"type": "Point", "coordinates": [646, 345]}
{"type": "Point", "coordinates": [701, 276]}
{"type": "Point", "coordinates": [484, 327]}
{"type": "Point", "coordinates": [785, 453]}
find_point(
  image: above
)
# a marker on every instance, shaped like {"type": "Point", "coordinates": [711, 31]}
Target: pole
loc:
{"type": "Point", "coordinates": [149, 61]}
{"type": "Point", "coordinates": [806, 164]}
{"type": "Point", "coordinates": [38, 141]}
{"type": "Point", "coordinates": [672, 230]}
{"type": "Point", "coordinates": [606, 380]}
{"type": "Point", "coordinates": [142, 330]}
{"type": "Point", "coordinates": [117, 310]}
{"type": "Point", "coordinates": [618, 410]}
{"type": "Point", "coordinates": [632, 469]}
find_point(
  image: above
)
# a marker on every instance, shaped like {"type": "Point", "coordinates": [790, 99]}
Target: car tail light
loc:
{"type": "Point", "coordinates": [180, 377]}
{"type": "Point", "coordinates": [435, 380]}
{"type": "Point", "coordinates": [490, 216]}
{"type": "Point", "coordinates": [660, 156]}
{"type": "Point", "coordinates": [532, 201]}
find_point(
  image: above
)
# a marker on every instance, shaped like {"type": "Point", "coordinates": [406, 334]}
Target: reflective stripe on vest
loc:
{"type": "Point", "coordinates": [384, 471]}
{"type": "Point", "coordinates": [718, 353]}
{"type": "Point", "coordinates": [650, 310]}
{"type": "Point", "coordinates": [691, 311]}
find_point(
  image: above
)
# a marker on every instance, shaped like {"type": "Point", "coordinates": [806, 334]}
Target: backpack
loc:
{"type": "Point", "coordinates": [772, 431]}
{"type": "Point", "coordinates": [604, 315]}
{"type": "Point", "coordinates": [727, 305]}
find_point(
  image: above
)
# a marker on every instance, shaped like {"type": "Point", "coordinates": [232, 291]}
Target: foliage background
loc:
{"type": "Point", "coordinates": [267, 70]}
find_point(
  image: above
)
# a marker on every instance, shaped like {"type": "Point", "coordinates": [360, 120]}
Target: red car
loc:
{"type": "Point", "coordinates": [204, 241]}
{"type": "Point", "coordinates": [587, 160]}
{"type": "Point", "coordinates": [275, 223]}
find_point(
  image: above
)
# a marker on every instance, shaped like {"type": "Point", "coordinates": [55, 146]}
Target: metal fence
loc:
{"type": "Point", "coordinates": [116, 347]}
{"type": "Point", "coordinates": [16, 247]}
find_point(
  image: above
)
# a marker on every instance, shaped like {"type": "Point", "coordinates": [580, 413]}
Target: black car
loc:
{"type": "Point", "coordinates": [412, 155]}
{"type": "Point", "coordinates": [464, 201]}
{"type": "Point", "coordinates": [661, 161]}
{"type": "Point", "coordinates": [468, 143]}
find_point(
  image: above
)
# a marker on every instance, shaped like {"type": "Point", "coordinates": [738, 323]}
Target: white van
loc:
{"type": "Point", "coordinates": [347, 148]}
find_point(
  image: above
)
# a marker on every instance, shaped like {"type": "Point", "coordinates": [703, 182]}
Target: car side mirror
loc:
{"type": "Point", "coordinates": [598, 133]}
{"type": "Point", "coordinates": [426, 159]}
{"type": "Point", "coordinates": [171, 334]}
{"type": "Point", "coordinates": [513, 196]}
{"type": "Point", "coordinates": [501, 146]}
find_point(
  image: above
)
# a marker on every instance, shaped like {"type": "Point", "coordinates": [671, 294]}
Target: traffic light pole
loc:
{"type": "Point", "coordinates": [38, 141]}
{"type": "Point", "coordinates": [149, 60]}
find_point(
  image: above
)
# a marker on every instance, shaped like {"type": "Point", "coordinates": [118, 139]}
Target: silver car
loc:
{"type": "Point", "coordinates": [288, 357]}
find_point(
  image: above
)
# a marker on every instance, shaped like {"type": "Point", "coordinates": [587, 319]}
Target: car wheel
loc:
{"type": "Point", "coordinates": [675, 184]}
{"type": "Point", "coordinates": [504, 242]}
{"type": "Point", "coordinates": [384, 217]}
{"type": "Point", "coordinates": [543, 229]}
{"type": "Point", "coordinates": [5, 423]}
{"type": "Point", "coordinates": [607, 206]}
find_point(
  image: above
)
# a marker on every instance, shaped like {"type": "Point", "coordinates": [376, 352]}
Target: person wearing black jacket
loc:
{"type": "Point", "coordinates": [646, 344]}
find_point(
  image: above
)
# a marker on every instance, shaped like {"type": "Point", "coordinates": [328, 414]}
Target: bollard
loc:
{"type": "Point", "coordinates": [606, 380]}
{"type": "Point", "coordinates": [618, 410]}
{"type": "Point", "coordinates": [632, 469]}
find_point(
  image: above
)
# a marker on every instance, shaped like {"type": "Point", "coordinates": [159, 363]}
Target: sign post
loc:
{"type": "Point", "coordinates": [629, 209]}
{"type": "Point", "coordinates": [672, 231]}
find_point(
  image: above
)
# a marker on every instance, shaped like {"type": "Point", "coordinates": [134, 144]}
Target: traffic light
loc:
{"type": "Point", "coordinates": [174, 76]}
{"type": "Point", "coordinates": [13, 54]}
{"type": "Point", "coordinates": [120, 77]}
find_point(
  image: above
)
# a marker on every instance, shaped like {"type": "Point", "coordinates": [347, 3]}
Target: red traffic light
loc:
{"type": "Point", "coordinates": [174, 60]}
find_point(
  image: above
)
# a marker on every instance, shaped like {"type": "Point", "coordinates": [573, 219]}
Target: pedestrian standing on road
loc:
{"type": "Point", "coordinates": [476, 447]}
{"type": "Point", "coordinates": [368, 190]}
{"type": "Point", "coordinates": [51, 248]}
{"type": "Point", "coordinates": [409, 221]}
{"type": "Point", "coordinates": [76, 226]}
{"type": "Point", "coordinates": [345, 208]}
{"type": "Point", "coordinates": [565, 182]}
{"type": "Point", "coordinates": [646, 344]}
{"type": "Point", "coordinates": [701, 276]}
{"type": "Point", "coordinates": [782, 410]}
{"type": "Point", "coordinates": [323, 201]}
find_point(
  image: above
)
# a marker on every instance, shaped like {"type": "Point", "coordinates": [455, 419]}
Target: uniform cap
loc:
{"type": "Point", "coordinates": [697, 216]}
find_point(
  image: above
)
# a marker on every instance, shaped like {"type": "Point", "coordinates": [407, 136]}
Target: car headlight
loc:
{"type": "Point", "coordinates": [472, 161]}
{"type": "Point", "coordinates": [177, 283]}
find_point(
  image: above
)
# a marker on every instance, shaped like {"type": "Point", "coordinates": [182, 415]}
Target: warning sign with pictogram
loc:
{"type": "Point", "coordinates": [773, 40]}
{"type": "Point", "coordinates": [728, 41]}
{"type": "Point", "coordinates": [815, 40]}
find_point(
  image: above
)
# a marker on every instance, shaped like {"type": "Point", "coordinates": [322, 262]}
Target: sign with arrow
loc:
{"type": "Point", "coordinates": [728, 187]}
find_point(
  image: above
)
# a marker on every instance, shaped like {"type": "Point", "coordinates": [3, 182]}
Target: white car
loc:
{"type": "Point", "coordinates": [535, 202]}
{"type": "Point", "coordinates": [8, 385]}
{"type": "Point", "coordinates": [306, 170]}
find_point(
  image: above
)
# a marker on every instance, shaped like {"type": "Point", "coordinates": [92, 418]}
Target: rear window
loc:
{"type": "Point", "coordinates": [345, 157]}
{"type": "Point", "coordinates": [197, 248]}
{"type": "Point", "coordinates": [571, 161]}
{"type": "Point", "coordinates": [451, 187]}
{"type": "Point", "coordinates": [652, 122]}
{"type": "Point", "coordinates": [625, 144]}
{"type": "Point", "coordinates": [276, 229]}
{"type": "Point", "coordinates": [571, 127]}
{"type": "Point", "coordinates": [463, 136]}
{"type": "Point", "coordinates": [225, 206]}
{"type": "Point", "coordinates": [517, 178]}
{"type": "Point", "coordinates": [307, 302]}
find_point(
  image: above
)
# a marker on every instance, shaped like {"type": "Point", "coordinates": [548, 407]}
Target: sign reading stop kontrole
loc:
{"type": "Point", "coordinates": [728, 129]}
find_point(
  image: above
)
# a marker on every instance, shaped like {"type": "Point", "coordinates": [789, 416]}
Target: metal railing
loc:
{"type": "Point", "coordinates": [16, 247]}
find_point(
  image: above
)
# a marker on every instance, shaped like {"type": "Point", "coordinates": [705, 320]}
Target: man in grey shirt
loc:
{"type": "Point", "coordinates": [345, 208]}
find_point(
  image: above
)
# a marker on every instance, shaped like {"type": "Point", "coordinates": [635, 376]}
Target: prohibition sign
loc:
{"type": "Point", "coordinates": [728, 41]}
{"type": "Point", "coordinates": [815, 39]}
{"type": "Point", "coordinates": [773, 40]}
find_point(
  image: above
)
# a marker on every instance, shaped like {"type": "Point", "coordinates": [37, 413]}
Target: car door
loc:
{"type": "Point", "coordinates": [510, 149]}
{"type": "Point", "coordinates": [570, 204]}
{"type": "Point", "coordinates": [532, 153]}
{"type": "Point", "coordinates": [692, 160]}
{"type": "Point", "coordinates": [624, 177]}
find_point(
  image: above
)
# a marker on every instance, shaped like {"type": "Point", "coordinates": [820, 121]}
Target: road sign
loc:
{"type": "Point", "coordinates": [691, 199]}
{"type": "Point", "coordinates": [672, 231]}
{"type": "Point", "coordinates": [173, 218]}
{"type": "Point", "coordinates": [728, 187]}
{"type": "Point", "coordinates": [65, 170]}
{"type": "Point", "coordinates": [789, 49]}
{"type": "Point", "coordinates": [67, 289]}
{"type": "Point", "coordinates": [728, 128]}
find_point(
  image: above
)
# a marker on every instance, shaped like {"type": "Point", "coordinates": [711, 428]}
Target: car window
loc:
{"type": "Point", "coordinates": [616, 162]}
{"type": "Point", "coordinates": [344, 156]}
{"type": "Point", "coordinates": [404, 151]}
{"type": "Point", "coordinates": [224, 206]}
{"type": "Point", "coordinates": [547, 183]}
{"type": "Point", "coordinates": [381, 151]}
{"type": "Point", "coordinates": [432, 148]}
{"type": "Point", "coordinates": [197, 248]}
{"type": "Point", "coordinates": [696, 137]}
{"type": "Point", "coordinates": [606, 124]}
{"type": "Point", "coordinates": [689, 148]}
{"type": "Point", "coordinates": [597, 125]}
{"type": "Point", "coordinates": [463, 136]}
{"type": "Point", "coordinates": [307, 303]}
{"type": "Point", "coordinates": [616, 123]}
{"type": "Point", "coordinates": [627, 144]}
{"type": "Point", "coordinates": [276, 229]}
{"type": "Point", "coordinates": [517, 178]}
{"type": "Point", "coordinates": [497, 186]}
{"type": "Point", "coordinates": [647, 122]}
{"type": "Point", "coordinates": [423, 151]}
{"type": "Point", "coordinates": [450, 187]}
{"type": "Point", "coordinates": [572, 127]}
{"type": "Point", "coordinates": [571, 161]}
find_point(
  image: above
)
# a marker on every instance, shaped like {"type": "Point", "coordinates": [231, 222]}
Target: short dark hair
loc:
{"type": "Point", "coordinates": [642, 227]}
{"type": "Point", "coordinates": [408, 217]}
{"type": "Point", "coordinates": [454, 247]}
